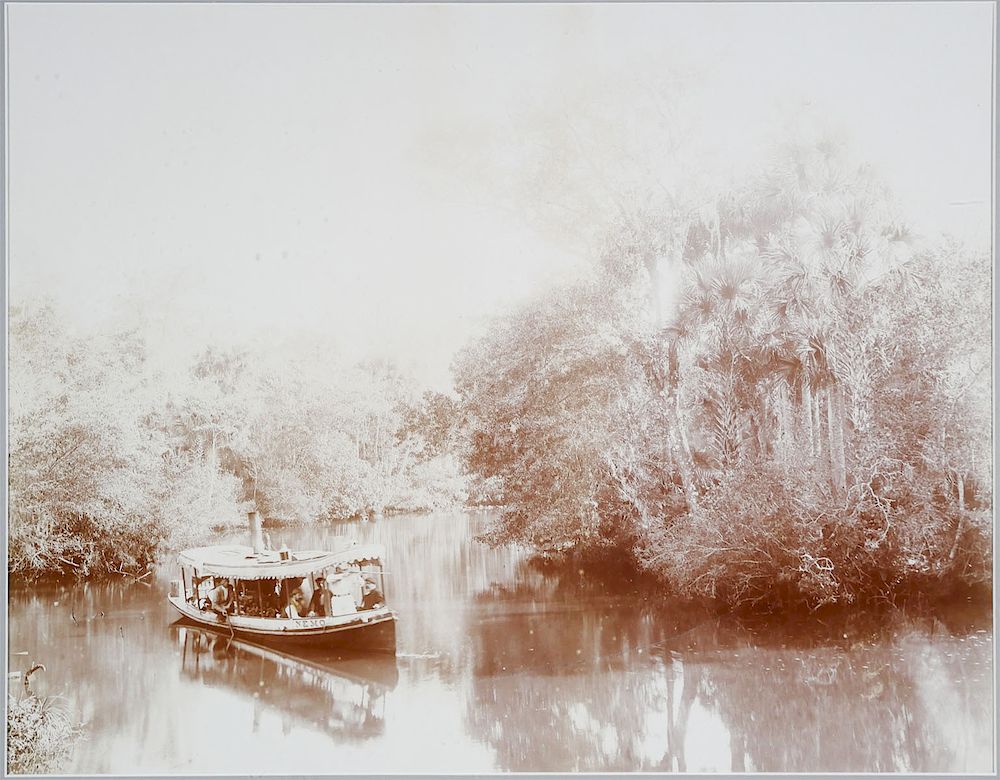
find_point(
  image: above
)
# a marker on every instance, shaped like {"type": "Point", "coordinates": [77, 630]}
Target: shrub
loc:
{"type": "Point", "coordinates": [765, 537]}
{"type": "Point", "coordinates": [41, 735]}
{"type": "Point", "coordinates": [754, 541]}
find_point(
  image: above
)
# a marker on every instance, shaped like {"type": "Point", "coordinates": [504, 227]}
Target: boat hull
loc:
{"type": "Point", "coordinates": [375, 633]}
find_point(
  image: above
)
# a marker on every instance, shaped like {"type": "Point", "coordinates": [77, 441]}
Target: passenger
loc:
{"type": "Point", "coordinates": [247, 602]}
{"type": "Point", "coordinates": [320, 604]}
{"type": "Point", "coordinates": [220, 598]}
{"type": "Point", "coordinates": [271, 600]}
{"type": "Point", "coordinates": [357, 583]}
{"type": "Point", "coordinates": [339, 584]}
{"type": "Point", "coordinates": [348, 582]}
{"type": "Point", "coordinates": [373, 598]}
{"type": "Point", "coordinates": [297, 601]}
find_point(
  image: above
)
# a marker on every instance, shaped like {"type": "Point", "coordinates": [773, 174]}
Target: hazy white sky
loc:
{"type": "Point", "coordinates": [258, 173]}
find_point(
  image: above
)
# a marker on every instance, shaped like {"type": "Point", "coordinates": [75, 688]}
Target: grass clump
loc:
{"type": "Point", "coordinates": [41, 735]}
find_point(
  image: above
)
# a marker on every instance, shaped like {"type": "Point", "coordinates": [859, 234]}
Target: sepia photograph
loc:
{"type": "Point", "coordinates": [472, 388]}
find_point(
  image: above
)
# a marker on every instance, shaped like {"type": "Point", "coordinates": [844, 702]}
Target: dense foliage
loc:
{"type": "Point", "coordinates": [804, 420]}
{"type": "Point", "coordinates": [40, 735]}
{"type": "Point", "coordinates": [106, 465]}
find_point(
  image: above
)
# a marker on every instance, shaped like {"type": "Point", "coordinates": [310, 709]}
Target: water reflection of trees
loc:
{"type": "Point", "coordinates": [564, 678]}
{"type": "Point", "coordinates": [99, 642]}
{"type": "Point", "coordinates": [433, 569]}
{"type": "Point", "coordinates": [570, 677]}
{"type": "Point", "coordinates": [832, 710]}
{"type": "Point", "coordinates": [857, 692]}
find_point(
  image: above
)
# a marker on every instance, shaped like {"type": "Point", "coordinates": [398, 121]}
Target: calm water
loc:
{"type": "Point", "coordinates": [505, 665]}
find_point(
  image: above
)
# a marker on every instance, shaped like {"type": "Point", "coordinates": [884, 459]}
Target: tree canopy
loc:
{"type": "Point", "coordinates": [808, 423]}
{"type": "Point", "coordinates": [107, 467]}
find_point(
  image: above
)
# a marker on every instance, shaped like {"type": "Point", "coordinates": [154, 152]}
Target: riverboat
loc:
{"type": "Point", "coordinates": [265, 593]}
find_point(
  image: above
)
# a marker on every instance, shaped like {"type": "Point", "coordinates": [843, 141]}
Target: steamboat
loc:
{"type": "Point", "coordinates": [299, 599]}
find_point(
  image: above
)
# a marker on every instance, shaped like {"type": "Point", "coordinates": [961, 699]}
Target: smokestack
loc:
{"type": "Point", "coordinates": [256, 535]}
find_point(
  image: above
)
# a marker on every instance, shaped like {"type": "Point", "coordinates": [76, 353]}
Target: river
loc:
{"type": "Point", "coordinates": [508, 665]}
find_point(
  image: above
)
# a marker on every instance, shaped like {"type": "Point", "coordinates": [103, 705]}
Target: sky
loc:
{"type": "Point", "coordinates": [266, 176]}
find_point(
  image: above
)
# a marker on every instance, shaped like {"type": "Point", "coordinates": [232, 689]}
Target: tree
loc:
{"type": "Point", "coordinates": [84, 469]}
{"type": "Point", "coordinates": [536, 393]}
{"type": "Point", "coordinates": [797, 430]}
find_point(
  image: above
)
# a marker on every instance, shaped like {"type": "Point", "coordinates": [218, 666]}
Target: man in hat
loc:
{"type": "Point", "coordinates": [320, 603]}
{"type": "Point", "coordinates": [220, 598]}
{"type": "Point", "coordinates": [372, 597]}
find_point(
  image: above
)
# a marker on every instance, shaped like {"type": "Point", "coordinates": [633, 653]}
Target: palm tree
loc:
{"type": "Point", "coordinates": [833, 240]}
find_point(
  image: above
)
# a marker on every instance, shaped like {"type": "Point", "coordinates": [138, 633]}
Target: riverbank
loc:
{"type": "Point", "coordinates": [133, 555]}
{"type": "Point", "coordinates": [603, 563]}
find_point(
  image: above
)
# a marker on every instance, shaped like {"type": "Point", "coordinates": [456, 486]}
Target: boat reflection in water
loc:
{"type": "Point", "coordinates": [339, 694]}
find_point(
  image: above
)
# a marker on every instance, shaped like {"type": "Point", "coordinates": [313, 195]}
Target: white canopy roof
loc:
{"type": "Point", "coordinates": [241, 563]}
